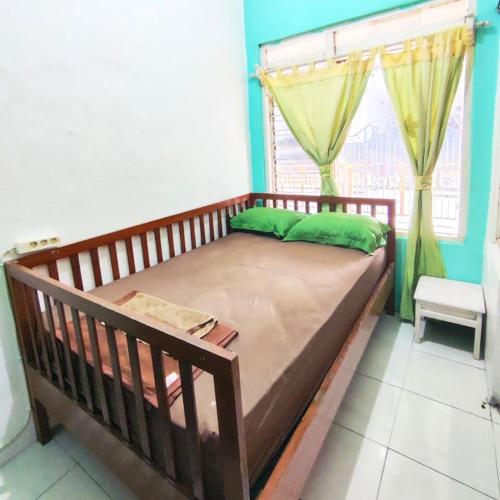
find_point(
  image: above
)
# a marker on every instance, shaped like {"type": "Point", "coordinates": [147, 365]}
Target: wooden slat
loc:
{"type": "Point", "coordinates": [182, 236]}
{"type": "Point", "coordinates": [373, 210]}
{"type": "Point", "coordinates": [145, 250]}
{"type": "Point", "coordinates": [82, 360]}
{"type": "Point", "coordinates": [231, 434]}
{"type": "Point", "coordinates": [159, 251]}
{"type": "Point", "coordinates": [52, 335]}
{"type": "Point", "coordinates": [295, 205]}
{"type": "Point", "coordinates": [164, 412]}
{"type": "Point", "coordinates": [117, 382]}
{"type": "Point", "coordinates": [130, 255]}
{"type": "Point", "coordinates": [219, 224]}
{"type": "Point", "coordinates": [308, 209]}
{"type": "Point", "coordinates": [31, 325]}
{"type": "Point", "coordinates": [76, 271]}
{"type": "Point", "coordinates": [333, 207]}
{"type": "Point", "coordinates": [41, 331]}
{"type": "Point", "coordinates": [70, 372]}
{"type": "Point", "coordinates": [193, 437]}
{"type": "Point", "coordinates": [344, 207]}
{"type": "Point", "coordinates": [201, 219]}
{"type": "Point", "coordinates": [192, 233]}
{"type": "Point", "coordinates": [138, 395]}
{"type": "Point", "coordinates": [98, 378]}
{"type": "Point", "coordinates": [53, 271]}
{"type": "Point", "coordinates": [211, 226]}
{"type": "Point", "coordinates": [96, 266]}
{"type": "Point", "coordinates": [358, 208]}
{"type": "Point", "coordinates": [274, 203]}
{"type": "Point", "coordinates": [171, 246]}
{"type": "Point", "coordinates": [319, 206]}
{"type": "Point", "coordinates": [114, 261]}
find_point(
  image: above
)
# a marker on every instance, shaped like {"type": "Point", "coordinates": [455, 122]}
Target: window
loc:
{"type": "Point", "coordinates": [373, 161]}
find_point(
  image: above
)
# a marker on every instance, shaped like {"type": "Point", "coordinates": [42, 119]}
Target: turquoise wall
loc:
{"type": "Point", "coordinates": [267, 21]}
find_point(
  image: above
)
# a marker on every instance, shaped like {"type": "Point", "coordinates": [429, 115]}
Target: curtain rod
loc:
{"type": "Point", "coordinates": [477, 25]}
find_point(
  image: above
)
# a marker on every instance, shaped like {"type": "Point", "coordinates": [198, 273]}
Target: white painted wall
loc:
{"type": "Point", "coordinates": [491, 270]}
{"type": "Point", "coordinates": [112, 113]}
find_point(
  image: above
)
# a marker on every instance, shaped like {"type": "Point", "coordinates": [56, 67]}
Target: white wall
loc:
{"type": "Point", "coordinates": [491, 270]}
{"type": "Point", "coordinates": [112, 113]}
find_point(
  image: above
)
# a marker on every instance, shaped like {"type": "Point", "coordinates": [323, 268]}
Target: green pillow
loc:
{"type": "Point", "coordinates": [345, 230]}
{"type": "Point", "coordinates": [267, 220]}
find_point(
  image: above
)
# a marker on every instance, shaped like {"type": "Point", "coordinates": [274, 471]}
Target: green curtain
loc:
{"type": "Point", "coordinates": [318, 106]}
{"type": "Point", "coordinates": [422, 81]}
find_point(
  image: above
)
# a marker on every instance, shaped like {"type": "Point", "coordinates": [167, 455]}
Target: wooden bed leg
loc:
{"type": "Point", "coordinates": [41, 421]}
{"type": "Point", "coordinates": [390, 306]}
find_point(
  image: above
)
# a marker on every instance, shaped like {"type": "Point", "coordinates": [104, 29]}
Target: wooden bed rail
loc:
{"type": "Point", "coordinates": [40, 350]}
{"type": "Point", "coordinates": [380, 208]}
{"type": "Point", "coordinates": [140, 246]}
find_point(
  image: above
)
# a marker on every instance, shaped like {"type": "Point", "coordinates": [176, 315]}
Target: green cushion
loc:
{"type": "Point", "coordinates": [346, 230]}
{"type": "Point", "coordinates": [275, 221]}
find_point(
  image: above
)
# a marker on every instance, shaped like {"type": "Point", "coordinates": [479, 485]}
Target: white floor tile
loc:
{"type": "Point", "coordinates": [105, 478]}
{"type": "Point", "coordinates": [392, 329]}
{"type": "Point", "coordinates": [369, 408]}
{"type": "Point", "coordinates": [448, 440]}
{"type": "Point", "coordinates": [34, 470]}
{"type": "Point", "coordinates": [349, 467]}
{"type": "Point", "coordinates": [454, 342]}
{"type": "Point", "coordinates": [420, 483]}
{"type": "Point", "coordinates": [447, 381]}
{"type": "Point", "coordinates": [70, 445]}
{"type": "Point", "coordinates": [386, 360]}
{"type": "Point", "coordinates": [75, 485]}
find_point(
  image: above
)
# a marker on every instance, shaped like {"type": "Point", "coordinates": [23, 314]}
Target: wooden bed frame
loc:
{"type": "Point", "coordinates": [72, 393]}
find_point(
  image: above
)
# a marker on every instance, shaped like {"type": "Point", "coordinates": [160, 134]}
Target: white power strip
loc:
{"type": "Point", "coordinates": [37, 245]}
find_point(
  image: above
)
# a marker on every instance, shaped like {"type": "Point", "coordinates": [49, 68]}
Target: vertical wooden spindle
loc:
{"type": "Point", "coordinates": [164, 411]}
{"type": "Point", "coordinates": [130, 255]}
{"type": "Point", "coordinates": [98, 378]}
{"type": "Point", "coordinates": [67, 349]}
{"type": "Point", "coordinates": [138, 395]}
{"type": "Point", "coordinates": [117, 382]}
{"type": "Point", "coordinates": [159, 252]}
{"type": "Point", "coordinates": [96, 266]}
{"type": "Point", "coordinates": [114, 260]}
{"type": "Point", "coordinates": [82, 360]}
{"type": "Point", "coordinates": [145, 250]}
{"type": "Point", "coordinates": [53, 341]}
{"type": "Point", "coordinates": [202, 229]}
{"type": "Point", "coordinates": [193, 437]}
{"type": "Point", "coordinates": [76, 271]}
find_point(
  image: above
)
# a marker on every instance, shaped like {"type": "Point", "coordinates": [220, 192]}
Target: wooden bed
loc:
{"type": "Point", "coordinates": [66, 390]}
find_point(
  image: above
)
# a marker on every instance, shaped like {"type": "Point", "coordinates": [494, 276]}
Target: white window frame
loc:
{"type": "Point", "coordinates": [467, 107]}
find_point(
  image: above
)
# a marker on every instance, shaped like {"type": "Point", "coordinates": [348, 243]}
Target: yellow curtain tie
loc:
{"type": "Point", "coordinates": [325, 171]}
{"type": "Point", "coordinates": [423, 182]}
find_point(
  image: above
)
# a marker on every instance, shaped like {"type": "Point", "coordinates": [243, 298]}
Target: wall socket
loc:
{"type": "Point", "coordinates": [37, 245]}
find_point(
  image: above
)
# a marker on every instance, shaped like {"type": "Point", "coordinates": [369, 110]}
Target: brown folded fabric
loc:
{"type": "Point", "coordinates": [219, 335]}
{"type": "Point", "coordinates": [181, 318]}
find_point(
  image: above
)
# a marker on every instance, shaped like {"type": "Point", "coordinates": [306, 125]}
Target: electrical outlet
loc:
{"type": "Point", "coordinates": [37, 245]}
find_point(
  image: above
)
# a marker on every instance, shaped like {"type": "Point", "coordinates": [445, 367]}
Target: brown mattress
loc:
{"type": "Point", "coordinates": [293, 305]}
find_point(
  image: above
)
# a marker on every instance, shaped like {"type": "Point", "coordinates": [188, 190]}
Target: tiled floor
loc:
{"type": "Point", "coordinates": [411, 426]}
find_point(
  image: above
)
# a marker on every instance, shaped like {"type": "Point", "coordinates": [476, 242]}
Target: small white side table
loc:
{"type": "Point", "coordinates": [449, 300]}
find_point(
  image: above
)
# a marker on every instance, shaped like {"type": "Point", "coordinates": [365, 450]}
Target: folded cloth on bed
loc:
{"type": "Point", "coordinates": [181, 318]}
{"type": "Point", "coordinates": [219, 335]}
